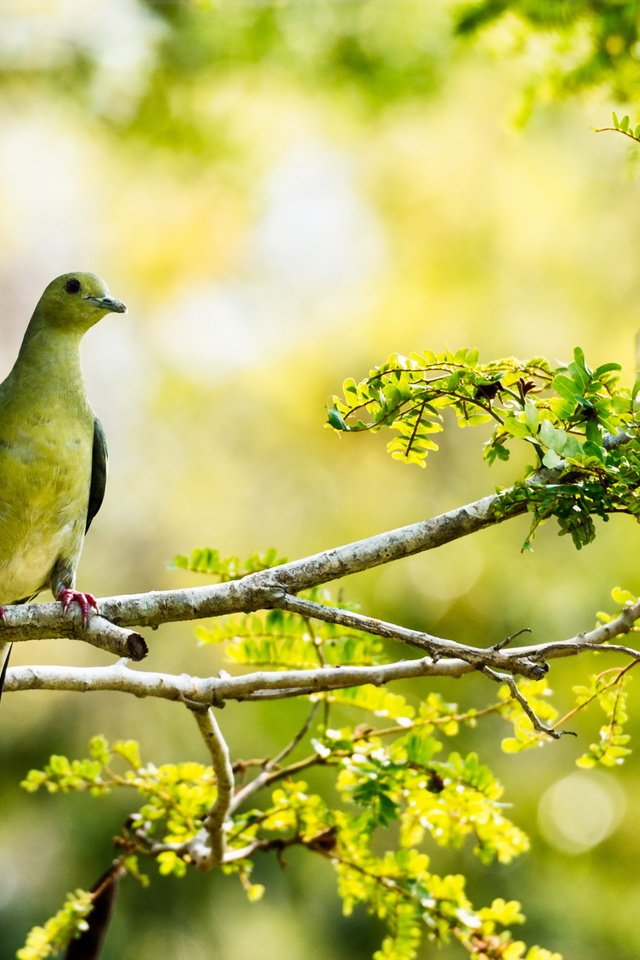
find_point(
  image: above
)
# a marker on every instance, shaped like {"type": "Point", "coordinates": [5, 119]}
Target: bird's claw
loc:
{"type": "Point", "coordinates": [84, 601]}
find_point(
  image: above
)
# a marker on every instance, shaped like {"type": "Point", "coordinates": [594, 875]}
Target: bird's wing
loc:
{"type": "Point", "coordinates": [98, 472]}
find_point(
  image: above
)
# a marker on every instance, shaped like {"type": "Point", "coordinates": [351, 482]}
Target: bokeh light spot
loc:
{"type": "Point", "coordinates": [578, 812]}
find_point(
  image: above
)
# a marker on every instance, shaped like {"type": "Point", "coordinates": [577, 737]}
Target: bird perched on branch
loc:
{"type": "Point", "coordinates": [53, 452]}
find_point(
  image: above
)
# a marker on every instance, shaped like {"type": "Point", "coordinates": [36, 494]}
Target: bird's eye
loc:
{"type": "Point", "coordinates": [72, 285]}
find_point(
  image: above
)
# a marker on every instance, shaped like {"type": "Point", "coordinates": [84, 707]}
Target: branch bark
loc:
{"type": "Point", "coordinates": [437, 647]}
{"type": "Point", "coordinates": [207, 848]}
{"type": "Point", "coordinates": [278, 684]}
{"type": "Point", "coordinates": [275, 588]}
{"type": "Point", "coordinates": [42, 621]}
{"type": "Point", "coordinates": [258, 590]}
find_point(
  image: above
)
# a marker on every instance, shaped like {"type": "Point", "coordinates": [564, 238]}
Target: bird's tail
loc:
{"type": "Point", "coordinates": [5, 666]}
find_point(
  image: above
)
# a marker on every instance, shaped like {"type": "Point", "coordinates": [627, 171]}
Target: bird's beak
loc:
{"type": "Point", "coordinates": [108, 304]}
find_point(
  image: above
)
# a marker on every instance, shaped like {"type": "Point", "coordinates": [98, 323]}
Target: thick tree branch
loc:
{"type": "Point", "coordinates": [258, 590]}
{"type": "Point", "coordinates": [275, 588]}
{"type": "Point", "coordinates": [40, 621]}
{"type": "Point", "coordinates": [214, 691]}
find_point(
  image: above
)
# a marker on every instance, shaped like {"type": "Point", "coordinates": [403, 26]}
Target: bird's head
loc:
{"type": "Point", "coordinates": [75, 301]}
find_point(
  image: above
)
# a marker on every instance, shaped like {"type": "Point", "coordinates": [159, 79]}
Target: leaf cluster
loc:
{"type": "Point", "coordinates": [607, 689]}
{"type": "Point", "coordinates": [173, 796]}
{"type": "Point", "coordinates": [625, 126]}
{"type": "Point", "coordinates": [69, 922]}
{"type": "Point", "coordinates": [383, 777]}
{"type": "Point", "coordinates": [400, 793]}
{"type": "Point", "coordinates": [576, 422]}
{"type": "Point", "coordinates": [378, 55]}
{"type": "Point", "coordinates": [278, 639]}
{"type": "Point", "coordinates": [210, 562]}
{"type": "Point", "coordinates": [602, 39]}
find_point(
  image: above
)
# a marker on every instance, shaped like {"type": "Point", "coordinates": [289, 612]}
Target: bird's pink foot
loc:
{"type": "Point", "coordinates": [84, 601]}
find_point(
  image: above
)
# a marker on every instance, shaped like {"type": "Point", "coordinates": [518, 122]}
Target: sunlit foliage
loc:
{"type": "Point", "coordinates": [572, 418]}
{"type": "Point", "coordinates": [197, 90]}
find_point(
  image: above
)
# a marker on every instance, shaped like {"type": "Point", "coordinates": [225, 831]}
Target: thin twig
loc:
{"type": "Point", "coordinates": [265, 774]}
{"type": "Point", "coordinates": [619, 674]}
{"type": "Point", "coordinates": [506, 641]}
{"type": "Point", "coordinates": [621, 648]}
{"type": "Point", "coordinates": [522, 700]}
{"type": "Point", "coordinates": [627, 133]}
{"type": "Point", "coordinates": [588, 640]}
{"type": "Point", "coordinates": [437, 647]}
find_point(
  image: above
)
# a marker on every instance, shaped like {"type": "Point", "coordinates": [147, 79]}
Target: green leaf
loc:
{"type": "Point", "coordinates": [592, 449]}
{"type": "Point", "coordinates": [623, 597]}
{"type": "Point", "coordinates": [57, 933]}
{"type": "Point", "coordinates": [551, 460]}
{"type": "Point", "coordinates": [350, 389]}
{"type": "Point", "coordinates": [531, 416]}
{"type": "Point", "coordinates": [553, 438]}
{"type": "Point", "coordinates": [566, 387]}
{"type": "Point", "coordinates": [208, 561]}
{"type": "Point", "coordinates": [515, 427]}
{"type": "Point", "coordinates": [605, 368]}
{"type": "Point", "coordinates": [335, 420]}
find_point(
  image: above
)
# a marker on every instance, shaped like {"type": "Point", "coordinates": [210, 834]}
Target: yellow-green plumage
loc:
{"type": "Point", "coordinates": [52, 448]}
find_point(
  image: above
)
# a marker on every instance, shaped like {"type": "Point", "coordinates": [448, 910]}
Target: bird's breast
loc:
{"type": "Point", "coordinates": [45, 471]}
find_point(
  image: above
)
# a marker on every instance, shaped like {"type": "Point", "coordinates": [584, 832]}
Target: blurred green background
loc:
{"type": "Point", "coordinates": [283, 194]}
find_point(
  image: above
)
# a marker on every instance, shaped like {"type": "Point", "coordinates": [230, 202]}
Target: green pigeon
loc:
{"type": "Point", "coordinates": [53, 452]}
